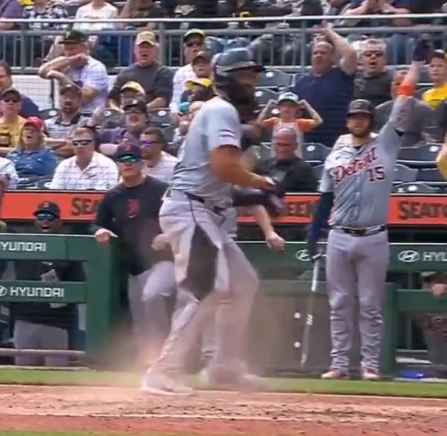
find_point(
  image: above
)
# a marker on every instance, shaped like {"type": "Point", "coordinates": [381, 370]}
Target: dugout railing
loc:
{"type": "Point", "coordinates": [100, 291]}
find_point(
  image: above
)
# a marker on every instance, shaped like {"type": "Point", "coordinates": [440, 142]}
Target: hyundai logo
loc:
{"type": "Point", "coordinates": [302, 256]}
{"type": "Point", "coordinates": [409, 256]}
{"type": "Point", "coordinates": [3, 291]}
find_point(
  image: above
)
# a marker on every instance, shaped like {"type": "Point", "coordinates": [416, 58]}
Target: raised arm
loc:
{"type": "Point", "coordinates": [347, 54]}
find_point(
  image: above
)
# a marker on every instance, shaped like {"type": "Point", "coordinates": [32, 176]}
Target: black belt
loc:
{"type": "Point", "coordinates": [193, 197]}
{"type": "Point", "coordinates": [367, 231]}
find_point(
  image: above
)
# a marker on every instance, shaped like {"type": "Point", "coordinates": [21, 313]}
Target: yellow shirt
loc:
{"type": "Point", "coordinates": [10, 132]}
{"type": "Point", "coordinates": [435, 95]}
{"type": "Point", "coordinates": [441, 161]}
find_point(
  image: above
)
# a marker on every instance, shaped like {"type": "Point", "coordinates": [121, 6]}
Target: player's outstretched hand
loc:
{"type": "Point", "coordinates": [422, 50]}
{"type": "Point", "coordinates": [274, 241]}
{"type": "Point", "coordinates": [160, 242]}
{"type": "Point", "coordinates": [103, 236]}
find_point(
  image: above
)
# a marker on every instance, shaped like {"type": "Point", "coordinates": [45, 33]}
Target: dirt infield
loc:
{"type": "Point", "coordinates": [217, 413]}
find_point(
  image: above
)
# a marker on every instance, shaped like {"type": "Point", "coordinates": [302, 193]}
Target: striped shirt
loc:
{"type": "Point", "coordinates": [164, 169]}
{"type": "Point", "coordinates": [101, 174]}
{"type": "Point", "coordinates": [94, 75]}
{"type": "Point", "coordinates": [57, 129]}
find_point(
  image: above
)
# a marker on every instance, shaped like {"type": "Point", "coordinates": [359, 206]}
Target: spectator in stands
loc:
{"type": "Point", "coordinates": [141, 9]}
{"type": "Point", "coordinates": [96, 10]}
{"type": "Point", "coordinates": [156, 79]}
{"type": "Point", "coordinates": [158, 163]}
{"type": "Point", "coordinates": [31, 158]}
{"type": "Point", "coordinates": [329, 86]}
{"type": "Point", "coordinates": [438, 74]}
{"type": "Point", "coordinates": [131, 91]}
{"type": "Point", "coordinates": [373, 83]}
{"type": "Point", "coordinates": [9, 9]}
{"type": "Point", "coordinates": [8, 175]}
{"type": "Point", "coordinates": [28, 107]}
{"type": "Point", "coordinates": [60, 127]}
{"type": "Point", "coordinates": [136, 119]}
{"type": "Point", "coordinates": [336, 7]}
{"type": "Point", "coordinates": [11, 122]}
{"type": "Point", "coordinates": [45, 325]}
{"type": "Point", "coordinates": [87, 169]}
{"type": "Point", "coordinates": [196, 88]}
{"type": "Point", "coordinates": [37, 12]}
{"type": "Point", "coordinates": [186, 115]}
{"type": "Point", "coordinates": [290, 115]}
{"type": "Point", "coordinates": [193, 43]}
{"type": "Point", "coordinates": [78, 67]}
{"type": "Point", "coordinates": [422, 124]}
{"type": "Point", "coordinates": [290, 171]}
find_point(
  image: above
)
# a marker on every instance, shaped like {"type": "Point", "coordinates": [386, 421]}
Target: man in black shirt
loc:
{"type": "Point", "coordinates": [130, 212]}
{"type": "Point", "coordinates": [292, 173]}
{"type": "Point", "coordinates": [45, 325]}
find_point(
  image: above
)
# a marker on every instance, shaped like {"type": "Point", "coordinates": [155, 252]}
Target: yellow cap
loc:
{"type": "Point", "coordinates": [146, 36]}
{"type": "Point", "coordinates": [133, 86]}
{"type": "Point", "coordinates": [206, 83]}
{"type": "Point", "coordinates": [192, 32]}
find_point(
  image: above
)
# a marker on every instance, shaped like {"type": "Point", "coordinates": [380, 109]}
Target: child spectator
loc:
{"type": "Point", "coordinates": [438, 74]}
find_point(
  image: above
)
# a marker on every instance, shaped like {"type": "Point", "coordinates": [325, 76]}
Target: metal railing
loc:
{"type": "Point", "coordinates": [283, 42]}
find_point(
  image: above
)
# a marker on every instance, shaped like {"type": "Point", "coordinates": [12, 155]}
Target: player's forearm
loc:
{"type": "Point", "coordinates": [320, 217]}
{"type": "Point", "coordinates": [263, 219]}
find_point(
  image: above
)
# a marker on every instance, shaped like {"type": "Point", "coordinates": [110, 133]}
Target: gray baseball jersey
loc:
{"type": "Point", "coordinates": [361, 178]}
{"type": "Point", "coordinates": [216, 124]}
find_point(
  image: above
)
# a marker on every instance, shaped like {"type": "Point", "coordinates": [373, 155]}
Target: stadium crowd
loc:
{"type": "Point", "coordinates": [287, 136]}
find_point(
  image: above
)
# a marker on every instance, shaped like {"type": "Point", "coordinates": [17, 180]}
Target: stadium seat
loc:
{"type": "Point", "coordinates": [263, 96]}
{"type": "Point", "coordinates": [113, 116]}
{"type": "Point", "coordinates": [430, 175]}
{"type": "Point", "coordinates": [160, 117]}
{"type": "Point", "coordinates": [318, 170]}
{"type": "Point", "coordinates": [46, 114]}
{"type": "Point", "coordinates": [275, 79]}
{"type": "Point", "coordinates": [423, 156]}
{"type": "Point", "coordinates": [315, 153]}
{"type": "Point", "coordinates": [415, 188]}
{"type": "Point", "coordinates": [403, 173]}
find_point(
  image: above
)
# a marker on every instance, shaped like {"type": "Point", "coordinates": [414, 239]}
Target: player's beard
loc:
{"type": "Point", "coordinates": [240, 95]}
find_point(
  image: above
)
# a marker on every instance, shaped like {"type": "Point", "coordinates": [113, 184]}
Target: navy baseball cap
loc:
{"type": "Point", "coordinates": [48, 207]}
{"type": "Point", "coordinates": [137, 104]}
{"type": "Point", "coordinates": [128, 150]}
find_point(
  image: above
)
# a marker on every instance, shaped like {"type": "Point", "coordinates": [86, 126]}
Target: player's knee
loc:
{"type": "Point", "coordinates": [341, 301]}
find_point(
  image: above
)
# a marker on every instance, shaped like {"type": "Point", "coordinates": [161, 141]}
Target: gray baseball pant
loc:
{"type": "Point", "coordinates": [28, 335]}
{"type": "Point", "coordinates": [146, 293]}
{"type": "Point", "coordinates": [230, 297]}
{"type": "Point", "coordinates": [356, 265]}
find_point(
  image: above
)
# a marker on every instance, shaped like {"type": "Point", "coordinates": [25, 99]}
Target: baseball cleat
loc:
{"type": "Point", "coordinates": [370, 374]}
{"type": "Point", "coordinates": [162, 384]}
{"type": "Point", "coordinates": [239, 382]}
{"type": "Point", "coordinates": [334, 374]}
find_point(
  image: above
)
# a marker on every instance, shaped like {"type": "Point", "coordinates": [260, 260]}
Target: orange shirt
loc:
{"type": "Point", "coordinates": [303, 124]}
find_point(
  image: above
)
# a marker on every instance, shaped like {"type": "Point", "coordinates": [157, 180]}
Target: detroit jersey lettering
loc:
{"type": "Point", "coordinates": [361, 179]}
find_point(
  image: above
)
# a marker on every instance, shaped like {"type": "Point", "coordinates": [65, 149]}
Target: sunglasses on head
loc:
{"type": "Point", "coordinates": [45, 216]}
{"type": "Point", "coordinates": [369, 54]}
{"type": "Point", "coordinates": [81, 142]}
{"type": "Point", "coordinates": [128, 159]}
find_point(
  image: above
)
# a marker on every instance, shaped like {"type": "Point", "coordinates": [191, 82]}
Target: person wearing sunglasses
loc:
{"type": "Point", "coordinates": [157, 163]}
{"type": "Point", "coordinates": [45, 325]}
{"type": "Point", "coordinates": [130, 212]}
{"type": "Point", "coordinates": [11, 122]}
{"type": "Point", "coordinates": [193, 43]}
{"type": "Point", "coordinates": [87, 169]}
{"type": "Point", "coordinates": [373, 83]}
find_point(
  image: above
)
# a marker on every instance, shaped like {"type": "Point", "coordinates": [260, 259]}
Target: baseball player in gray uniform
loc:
{"type": "Point", "coordinates": [355, 189]}
{"type": "Point", "coordinates": [208, 263]}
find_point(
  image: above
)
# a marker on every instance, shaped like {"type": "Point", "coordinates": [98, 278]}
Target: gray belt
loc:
{"type": "Point", "coordinates": [181, 195]}
{"type": "Point", "coordinates": [365, 231]}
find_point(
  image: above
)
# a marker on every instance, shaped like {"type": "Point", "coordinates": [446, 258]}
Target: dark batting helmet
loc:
{"type": "Point", "coordinates": [361, 106]}
{"type": "Point", "coordinates": [225, 67]}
